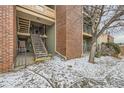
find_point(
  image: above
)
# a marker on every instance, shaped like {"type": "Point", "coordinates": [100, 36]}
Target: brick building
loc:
{"type": "Point", "coordinates": [28, 32]}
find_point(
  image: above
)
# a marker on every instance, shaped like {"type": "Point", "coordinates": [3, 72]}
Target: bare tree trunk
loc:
{"type": "Point", "coordinates": [92, 52]}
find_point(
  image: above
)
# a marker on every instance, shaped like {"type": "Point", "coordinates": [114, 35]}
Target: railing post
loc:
{"type": "Point", "coordinates": [25, 57]}
{"type": "Point", "coordinates": [29, 27]}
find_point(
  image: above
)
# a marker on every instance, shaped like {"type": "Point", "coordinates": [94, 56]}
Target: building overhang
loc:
{"type": "Point", "coordinates": [87, 35]}
{"type": "Point", "coordinates": [41, 14]}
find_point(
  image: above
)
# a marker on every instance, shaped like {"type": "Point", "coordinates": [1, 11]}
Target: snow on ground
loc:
{"type": "Point", "coordinates": [107, 72]}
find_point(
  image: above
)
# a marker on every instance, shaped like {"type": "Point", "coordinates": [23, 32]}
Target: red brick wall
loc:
{"type": "Point", "coordinates": [61, 29]}
{"type": "Point", "coordinates": [69, 30]}
{"type": "Point", "coordinates": [74, 31]}
{"type": "Point", "coordinates": [7, 37]}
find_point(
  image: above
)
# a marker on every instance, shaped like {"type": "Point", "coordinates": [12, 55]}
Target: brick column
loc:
{"type": "Point", "coordinates": [69, 30]}
{"type": "Point", "coordinates": [7, 37]}
{"type": "Point", "coordinates": [61, 29]}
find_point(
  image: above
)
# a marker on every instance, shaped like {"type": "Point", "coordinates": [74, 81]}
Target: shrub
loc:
{"type": "Point", "coordinates": [114, 50]}
{"type": "Point", "coordinates": [101, 53]}
{"type": "Point", "coordinates": [98, 54]}
{"type": "Point", "coordinates": [115, 47]}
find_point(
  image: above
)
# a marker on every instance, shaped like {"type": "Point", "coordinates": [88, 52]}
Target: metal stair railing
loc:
{"type": "Point", "coordinates": [21, 59]}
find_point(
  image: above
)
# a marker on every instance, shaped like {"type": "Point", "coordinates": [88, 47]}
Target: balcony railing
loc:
{"type": "Point", "coordinates": [87, 28]}
{"type": "Point", "coordinates": [40, 9]}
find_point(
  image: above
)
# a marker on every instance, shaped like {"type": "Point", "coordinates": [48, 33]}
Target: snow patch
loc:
{"type": "Point", "coordinates": [107, 72]}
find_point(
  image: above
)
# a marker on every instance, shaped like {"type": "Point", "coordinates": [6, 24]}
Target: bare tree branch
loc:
{"type": "Point", "coordinates": [103, 18]}
{"type": "Point", "coordinates": [113, 19]}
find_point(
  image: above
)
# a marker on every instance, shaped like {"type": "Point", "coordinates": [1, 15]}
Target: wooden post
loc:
{"type": "Point", "coordinates": [44, 34]}
{"type": "Point", "coordinates": [29, 27]}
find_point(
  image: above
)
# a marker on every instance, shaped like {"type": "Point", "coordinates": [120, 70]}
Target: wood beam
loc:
{"type": "Point", "coordinates": [43, 18]}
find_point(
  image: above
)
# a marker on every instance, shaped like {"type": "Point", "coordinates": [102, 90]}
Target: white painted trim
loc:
{"type": "Point", "coordinates": [82, 33]}
{"type": "Point", "coordinates": [55, 28]}
{"type": "Point", "coordinates": [61, 55]}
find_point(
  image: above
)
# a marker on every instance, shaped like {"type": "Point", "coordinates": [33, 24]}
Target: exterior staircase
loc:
{"type": "Point", "coordinates": [23, 25]}
{"type": "Point", "coordinates": [39, 48]}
